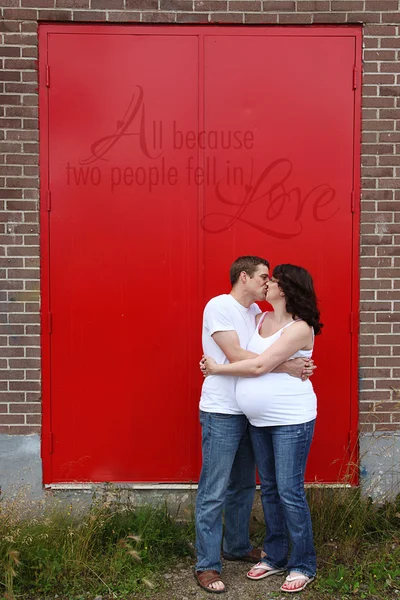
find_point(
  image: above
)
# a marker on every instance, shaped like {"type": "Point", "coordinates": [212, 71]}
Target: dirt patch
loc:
{"type": "Point", "coordinates": [179, 584]}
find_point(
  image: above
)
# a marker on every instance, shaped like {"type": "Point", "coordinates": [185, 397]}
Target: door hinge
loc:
{"type": "Point", "coordinates": [50, 323]}
{"type": "Point", "coordinates": [353, 201]}
{"type": "Point", "coordinates": [51, 442]}
{"type": "Point", "coordinates": [353, 322]}
{"type": "Point", "coordinates": [355, 78]}
{"type": "Point", "coordinates": [47, 76]}
{"type": "Point", "coordinates": [49, 200]}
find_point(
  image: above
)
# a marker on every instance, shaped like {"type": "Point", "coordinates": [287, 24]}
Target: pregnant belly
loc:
{"type": "Point", "coordinates": [272, 395]}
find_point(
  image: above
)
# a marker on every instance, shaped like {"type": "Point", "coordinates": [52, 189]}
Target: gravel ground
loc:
{"type": "Point", "coordinates": [181, 585]}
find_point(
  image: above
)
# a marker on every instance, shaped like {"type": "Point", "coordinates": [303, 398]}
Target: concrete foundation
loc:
{"type": "Point", "coordinates": [380, 465]}
{"type": "Point", "coordinates": [21, 476]}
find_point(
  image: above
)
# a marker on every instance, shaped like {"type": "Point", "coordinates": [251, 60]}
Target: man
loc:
{"type": "Point", "coordinates": [228, 475]}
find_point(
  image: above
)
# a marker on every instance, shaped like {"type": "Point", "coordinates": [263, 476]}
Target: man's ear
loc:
{"type": "Point", "coordinates": [243, 276]}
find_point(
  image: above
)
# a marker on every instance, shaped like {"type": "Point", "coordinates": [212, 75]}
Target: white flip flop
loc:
{"type": "Point", "coordinates": [298, 577]}
{"type": "Point", "coordinates": [262, 566]}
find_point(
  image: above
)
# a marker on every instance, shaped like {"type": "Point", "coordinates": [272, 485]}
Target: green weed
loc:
{"type": "Point", "coordinates": [108, 550]}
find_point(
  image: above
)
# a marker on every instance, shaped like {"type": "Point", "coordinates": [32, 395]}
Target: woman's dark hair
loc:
{"type": "Point", "coordinates": [301, 302]}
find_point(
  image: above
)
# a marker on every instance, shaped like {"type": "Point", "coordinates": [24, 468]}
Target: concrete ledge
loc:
{"type": "Point", "coordinates": [380, 465]}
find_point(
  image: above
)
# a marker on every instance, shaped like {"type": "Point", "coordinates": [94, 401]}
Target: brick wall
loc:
{"type": "Point", "coordinates": [19, 196]}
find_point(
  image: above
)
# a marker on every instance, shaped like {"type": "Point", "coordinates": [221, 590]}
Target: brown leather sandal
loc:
{"type": "Point", "coordinates": [255, 555]}
{"type": "Point", "coordinates": [205, 578]}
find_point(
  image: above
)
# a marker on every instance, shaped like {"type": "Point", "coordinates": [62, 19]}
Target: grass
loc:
{"type": "Point", "coordinates": [117, 552]}
{"type": "Point", "coordinates": [358, 544]}
{"type": "Point", "coordinates": [110, 550]}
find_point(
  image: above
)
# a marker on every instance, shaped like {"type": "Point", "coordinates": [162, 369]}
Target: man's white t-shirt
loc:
{"type": "Point", "coordinates": [224, 313]}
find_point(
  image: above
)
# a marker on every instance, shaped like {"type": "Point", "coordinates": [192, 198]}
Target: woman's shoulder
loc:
{"type": "Point", "coordinates": [297, 327]}
{"type": "Point", "coordinates": [262, 315]}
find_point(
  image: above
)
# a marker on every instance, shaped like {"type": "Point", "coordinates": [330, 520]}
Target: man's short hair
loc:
{"type": "Point", "coordinates": [248, 264]}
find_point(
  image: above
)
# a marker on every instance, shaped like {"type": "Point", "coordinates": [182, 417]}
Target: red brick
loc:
{"type": "Point", "coordinates": [245, 5]}
{"type": "Point", "coordinates": [278, 5]}
{"type": "Point", "coordinates": [390, 42]}
{"type": "Point", "coordinates": [22, 39]}
{"type": "Point", "coordinates": [312, 5]}
{"type": "Point", "coordinates": [11, 123]}
{"type": "Point", "coordinates": [380, 30]}
{"type": "Point", "coordinates": [25, 14]}
{"type": "Point", "coordinates": [389, 91]}
{"type": "Point", "coordinates": [109, 4]}
{"type": "Point", "coordinates": [19, 63]}
{"type": "Point", "coordinates": [125, 16]}
{"type": "Point", "coordinates": [38, 3]}
{"type": "Point", "coordinates": [34, 419]}
{"type": "Point", "coordinates": [23, 430]}
{"type": "Point", "coordinates": [226, 17]}
{"type": "Point", "coordinates": [72, 3]}
{"type": "Point", "coordinates": [54, 15]}
{"type": "Point", "coordinates": [24, 386]}
{"type": "Point", "coordinates": [192, 17]}
{"type": "Point", "coordinates": [151, 17]}
{"type": "Point", "coordinates": [8, 26]}
{"type": "Point", "coordinates": [138, 4]}
{"type": "Point", "coordinates": [21, 111]}
{"type": "Point", "coordinates": [10, 76]}
{"type": "Point", "coordinates": [89, 15]}
{"type": "Point", "coordinates": [347, 5]}
{"type": "Point", "coordinates": [11, 374]}
{"type": "Point", "coordinates": [393, 17]}
{"type": "Point", "coordinates": [12, 419]}
{"type": "Point", "coordinates": [301, 18]}
{"type": "Point", "coordinates": [260, 18]}
{"type": "Point", "coordinates": [361, 17]}
{"type": "Point", "coordinates": [366, 428]}
{"type": "Point", "coordinates": [381, 5]}
{"type": "Point", "coordinates": [210, 5]}
{"type": "Point", "coordinates": [29, 26]}
{"type": "Point", "coordinates": [25, 407]}
{"type": "Point", "coordinates": [33, 352]}
{"type": "Point", "coordinates": [9, 51]}
{"type": "Point", "coordinates": [176, 5]}
{"type": "Point", "coordinates": [379, 55]}
{"type": "Point", "coordinates": [378, 78]}
{"type": "Point", "coordinates": [10, 99]}
{"type": "Point", "coordinates": [387, 427]}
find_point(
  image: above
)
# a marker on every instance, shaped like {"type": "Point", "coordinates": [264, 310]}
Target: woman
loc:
{"type": "Point", "coordinates": [282, 411]}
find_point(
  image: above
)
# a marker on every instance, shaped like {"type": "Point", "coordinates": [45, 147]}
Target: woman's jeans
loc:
{"type": "Point", "coordinates": [281, 454]}
{"type": "Point", "coordinates": [227, 481]}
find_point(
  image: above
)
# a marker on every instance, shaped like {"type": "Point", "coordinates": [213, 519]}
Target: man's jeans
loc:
{"type": "Point", "coordinates": [227, 481]}
{"type": "Point", "coordinates": [281, 453]}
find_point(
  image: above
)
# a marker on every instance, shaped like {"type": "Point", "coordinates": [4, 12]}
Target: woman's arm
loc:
{"type": "Point", "coordinates": [293, 339]}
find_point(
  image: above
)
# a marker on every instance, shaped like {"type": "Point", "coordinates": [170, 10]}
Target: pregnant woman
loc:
{"type": "Point", "coordinates": [282, 411]}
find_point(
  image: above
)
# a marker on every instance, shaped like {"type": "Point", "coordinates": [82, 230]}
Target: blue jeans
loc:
{"type": "Point", "coordinates": [227, 481]}
{"type": "Point", "coordinates": [281, 454]}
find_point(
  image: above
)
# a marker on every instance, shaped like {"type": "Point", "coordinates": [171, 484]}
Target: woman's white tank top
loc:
{"type": "Point", "coordinates": [275, 398]}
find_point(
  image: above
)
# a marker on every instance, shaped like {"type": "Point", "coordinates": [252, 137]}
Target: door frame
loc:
{"type": "Point", "coordinates": [350, 473]}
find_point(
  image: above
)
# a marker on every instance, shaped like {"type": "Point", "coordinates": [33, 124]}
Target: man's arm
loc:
{"type": "Point", "coordinates": [294, 339]}
{"type": "Point", "coordinates": [229, 343]}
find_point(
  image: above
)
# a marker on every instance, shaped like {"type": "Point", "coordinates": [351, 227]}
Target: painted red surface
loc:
{"type": "Point", "coordinates": [166, 152]}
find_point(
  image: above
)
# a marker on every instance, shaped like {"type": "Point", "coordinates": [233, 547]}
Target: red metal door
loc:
{"type": "Point", "coordinates": [165, 153]}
